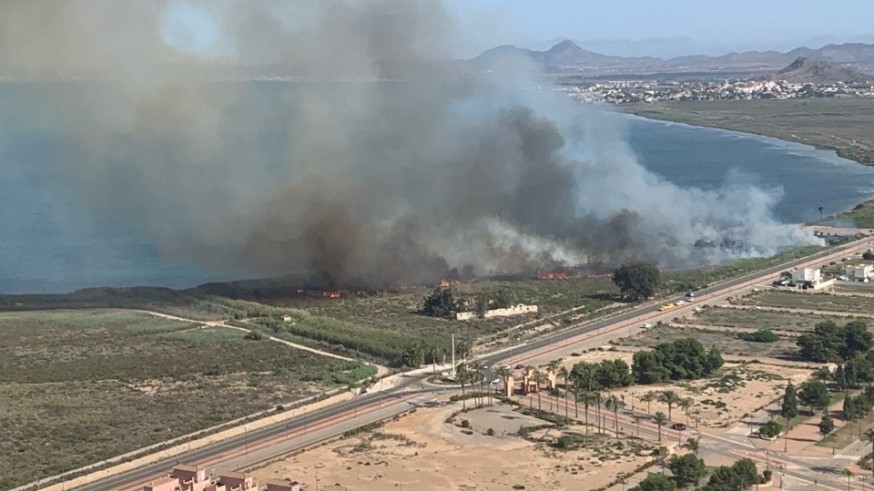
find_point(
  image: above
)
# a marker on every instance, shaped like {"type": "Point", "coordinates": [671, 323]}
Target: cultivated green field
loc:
{"type": "Point", "coordinates": [764, 319]}
{"type": "Point", "coordinates": [814, 301]}
{"type": "Point", "coordinates": [80, 386]}
{"type": "Point", "coordinates": [843, 124]}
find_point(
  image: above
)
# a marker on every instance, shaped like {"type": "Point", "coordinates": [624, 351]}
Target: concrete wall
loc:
{"type": "Point", "coordinates": [509, 311]}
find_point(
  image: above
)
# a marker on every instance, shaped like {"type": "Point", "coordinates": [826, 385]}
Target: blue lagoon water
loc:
{"type": "Point", "coordinates": [49, 243]}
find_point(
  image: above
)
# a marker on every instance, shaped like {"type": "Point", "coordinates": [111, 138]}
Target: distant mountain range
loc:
{"type": "Point", "coordinates": [566, 58]}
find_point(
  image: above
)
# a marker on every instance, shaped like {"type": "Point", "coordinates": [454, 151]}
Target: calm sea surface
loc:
{"type": "Point", "coordinates": [48, 244]}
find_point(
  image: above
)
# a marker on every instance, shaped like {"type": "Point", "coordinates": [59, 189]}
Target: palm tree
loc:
{"type": "Point", "coordinates": [462, 374]}
{"type": "Point", "coordinates": [686, 403]}
{"type": "Point", "coordinates": [576, 386]}
{"type": "Point", "coordinates": [615, 403]}
{"type": "Point", "coordinates": [849, 474]}
{"type": "Point", "coordinates": [670, 398]}
{"type": "Point", "coordinates": [868, 436]}
{"type": "Point", "coordinates": [433, 353]}
{"type": "Point", "coordinates": [588, 398]}
{"type": "Point", "coordinates": [539, 377]}
{"type": "Point", "coordinates": [596, 398]}
{"type": "Point", "coordinates": [476, 374]}
{"type": "Point", "coordinates": [648, 397]}
{"type": "Point", "coordinates": [660, 419]}
{"type": "Point", "coordinates": [564, 374]}
{"type": "Point", "coordinates": [553, 365]}
{"type": "Point", "coordinates": [693, 444]}
{"type": "Point", "coordinates": [504, 373]}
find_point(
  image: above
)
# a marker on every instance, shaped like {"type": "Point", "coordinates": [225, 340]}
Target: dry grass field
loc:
{"type": "Point", "coordinates": [81, 386]}
{"type": "Point", "coordinates": [726, 341]}
{"type": "Point", "coordinates": [848, 304]}
{"type": "Point", "coordinates": [752, 318]}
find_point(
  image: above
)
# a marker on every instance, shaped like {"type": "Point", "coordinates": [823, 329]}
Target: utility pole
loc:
{"type": "Point", "coordinates": [453, 357]}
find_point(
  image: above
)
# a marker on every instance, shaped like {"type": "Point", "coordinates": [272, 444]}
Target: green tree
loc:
{"type": "Point", "coordinates": [826, 425]}
{"type": "Point", "coordinates": [476, 375]}
{"type": "Point", "coordinates": [670, 398]}
{"type": "Point", "coordinates": [789, 409]}
{"type": "Point", "coordinates": [660, 419]}
{"type": "Point", "coordinates": [607, 374]}
{"type": "Point", "coordinates": [840, 378]}
{"type": "Point", "coordinates": [850, 410]}
{"type": "Point", "coordinates": [688, 469]}
{"type": "Point", "coordinates": [539, 378]}
{"type": "Point", "coordinates": [814, 394]}
{"type": "Point", "coordinates": [693, 444]}
{"type": "Point", "coordinates": [655, 482]}
{"type": "Point", "coordinates": [770, 429]}
{"type": "Point", "coordinates": [636, 280]}
{"type": "Point", "coordinates": [440, 303]}
{"type": "Point", "coordinates": [760, 336]}
{"type": "Point", "coordinates": [830, 342]}
{"type": "Point", "coordinates": [648, 397]}
{"type": "Point", "coordinates": [681, 359]}
{"type": "Point", "coordinates": [588, 398]}
{"type": "Point", "coordinates": [564, 373]}
{"type": "Point", "coordinates": [614, 403]}
{"type": "Point", "coordinates": [462, 375]}
{"type": "Point", "coordinates": [413, 356]}
{"type": "Point", "coordinates": [740, 475]}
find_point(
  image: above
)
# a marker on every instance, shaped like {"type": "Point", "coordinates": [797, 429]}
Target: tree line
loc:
{"type": "Point", "coordinates": [689, 469]}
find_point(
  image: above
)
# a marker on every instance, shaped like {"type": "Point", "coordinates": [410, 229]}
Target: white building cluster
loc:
{"type": "Point", "coordinates": [628, 91]}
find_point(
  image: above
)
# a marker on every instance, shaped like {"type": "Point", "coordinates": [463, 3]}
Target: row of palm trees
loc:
{"type": "Point", "coordinates": [469, 374]}
{"type": "Point", "coordinates": [474, 372]}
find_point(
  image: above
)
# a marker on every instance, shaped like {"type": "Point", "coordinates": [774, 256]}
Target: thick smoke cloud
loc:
{"type": "Point", "coordinates": [374, 162]}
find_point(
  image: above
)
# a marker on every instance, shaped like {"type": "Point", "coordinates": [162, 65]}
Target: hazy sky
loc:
{"type": "Point", "coordinates": [668, 27]}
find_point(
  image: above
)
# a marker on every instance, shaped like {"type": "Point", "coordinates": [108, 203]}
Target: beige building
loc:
{"type": "Point", "coordinates": [193, 478]}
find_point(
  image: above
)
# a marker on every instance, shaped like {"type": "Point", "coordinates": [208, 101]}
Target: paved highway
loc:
{"type": "Point", "coordinates": [347, 408]}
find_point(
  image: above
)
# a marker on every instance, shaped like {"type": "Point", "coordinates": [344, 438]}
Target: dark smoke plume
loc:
{"type": "Point", "coordinates": [372, 161]}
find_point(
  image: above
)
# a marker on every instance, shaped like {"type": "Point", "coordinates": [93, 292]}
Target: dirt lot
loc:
{"type": "Point", "coordinates": [424, 452]}
{"type": "Point", "coordinates": [718, 402]}
{"type": "Point", "coordinates": [81, 386]}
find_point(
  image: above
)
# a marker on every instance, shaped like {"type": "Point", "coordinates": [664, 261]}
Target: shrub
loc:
{"type": "Point", "coordinates": [760, 336]}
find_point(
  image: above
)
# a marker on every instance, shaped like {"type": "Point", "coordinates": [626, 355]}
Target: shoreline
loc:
{"type": "Point", "coordinates": [840, 152]}
{"type": "Point", "coordinates": [698, 114]}
{"type": "Point", "coordinates": [861, 214]}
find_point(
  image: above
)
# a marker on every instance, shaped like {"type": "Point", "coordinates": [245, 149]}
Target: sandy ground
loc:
{"type": "Point", "coordinates": [422, 451]}
{"type": "Point", "coordinates": [718, 402]}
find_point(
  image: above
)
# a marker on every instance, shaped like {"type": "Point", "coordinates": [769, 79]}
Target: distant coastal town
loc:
{"type": "Point", "coordinates": [632, 91]}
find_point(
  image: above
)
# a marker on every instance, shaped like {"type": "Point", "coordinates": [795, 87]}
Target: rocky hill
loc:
{"type": "Point", "coordinates": [805, 70]}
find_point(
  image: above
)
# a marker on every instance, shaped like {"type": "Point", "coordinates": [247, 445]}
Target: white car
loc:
{"type": "Point", "coordinates": [680, 302]}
